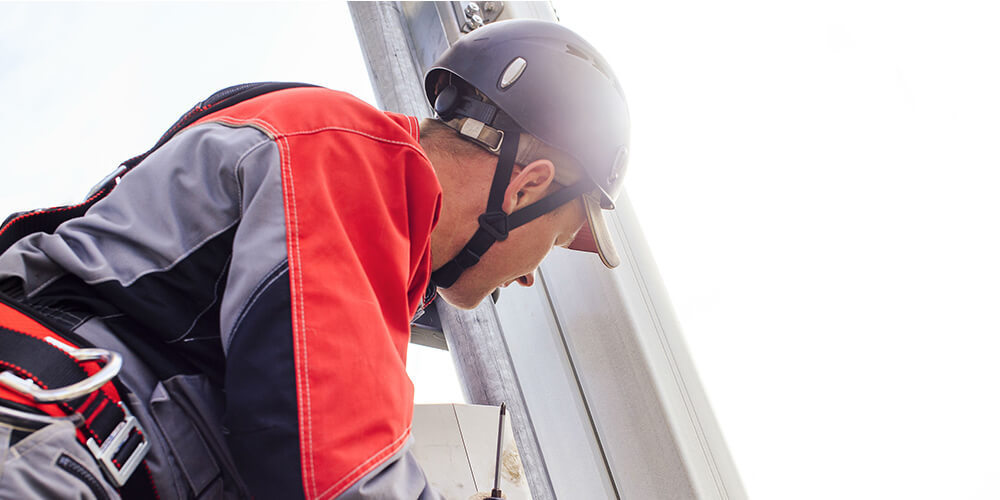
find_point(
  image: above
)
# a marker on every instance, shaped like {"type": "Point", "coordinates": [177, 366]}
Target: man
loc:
{"type": "Point", "coordinates": [258, 273]}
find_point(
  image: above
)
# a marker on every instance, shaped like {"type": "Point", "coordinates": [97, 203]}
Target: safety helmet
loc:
{"type": "Point", "coordinates": [541, 79]}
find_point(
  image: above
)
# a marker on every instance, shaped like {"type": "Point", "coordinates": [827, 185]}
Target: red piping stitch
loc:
{"type": "Point", "coordinates": [61, 404]}
{"type": "Point", "coordinates": [64, 353]}
{"type": "Point", "coordinates": [90, 399]}
{"type": "Point", "coordinates": [98, 194]}
{"type": "Point", "coordinates": [149, 474]}
{"type": "Point", "coordinates": [100, 408]}
{"type": "Point", "coordinates": [173, 130]}
{"type": "Point", "coordinates": [101, 193]}
{"type": "Point", "coordinates": [25, 373]}
{"type": "Point", "coordinates": [358, 132]}
{"type": "Point", "coordinates": [368, 465]}
{"type": "Point", "coordinates": [302, 380]}
{"type": "Point", "coordinates": [266, 127]}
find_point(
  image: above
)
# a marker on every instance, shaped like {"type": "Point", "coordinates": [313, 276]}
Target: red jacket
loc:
{"type": "Point", "coordinates": [280, 247]}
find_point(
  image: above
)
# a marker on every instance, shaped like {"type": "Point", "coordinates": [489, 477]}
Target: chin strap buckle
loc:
{"type": "Point", "coordinates": [496, 224]}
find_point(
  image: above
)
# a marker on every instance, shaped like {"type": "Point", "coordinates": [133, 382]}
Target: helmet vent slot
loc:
{"type": "Point", "coordinates": [604, 71]}
{"type": "Point", "coordinates": [576, 51]}
{"type": "Point", "coordinates": [595, 61]}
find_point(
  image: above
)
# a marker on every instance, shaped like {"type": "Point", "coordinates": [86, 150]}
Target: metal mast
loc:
{"type": "Point", "coordinates": [603, 396]}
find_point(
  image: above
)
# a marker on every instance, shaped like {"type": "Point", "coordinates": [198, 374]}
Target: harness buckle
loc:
{"type": "Point", "coordinates": [112, 365]}
{"type": "Point", "coordinates": [118, 440]}
{"type": "Point", "coordinates": [105, 453]}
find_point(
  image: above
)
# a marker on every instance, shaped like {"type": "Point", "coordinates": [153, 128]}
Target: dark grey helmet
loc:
{"type": "Point", "coordinates": [555, 85]}
{"type": "Point", "coordinates": [538, 83]}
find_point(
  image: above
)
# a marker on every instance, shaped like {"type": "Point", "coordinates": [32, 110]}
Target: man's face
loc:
{"type": "Point", "coordinates": [516, 258]}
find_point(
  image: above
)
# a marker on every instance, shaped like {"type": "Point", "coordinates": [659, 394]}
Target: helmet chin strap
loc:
{"type": "Point", "coordinates": [494, 223]}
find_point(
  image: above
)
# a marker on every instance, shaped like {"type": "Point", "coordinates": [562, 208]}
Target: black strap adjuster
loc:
{"type": "Point", "coordinates": [496, 224]}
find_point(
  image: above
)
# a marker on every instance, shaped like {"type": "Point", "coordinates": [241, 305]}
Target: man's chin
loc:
{"type": "Point", "coordinates": [460, 299]}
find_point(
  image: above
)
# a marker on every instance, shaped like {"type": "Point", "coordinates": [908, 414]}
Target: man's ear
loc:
{"type": "Point", "coordinates": [528, 184]}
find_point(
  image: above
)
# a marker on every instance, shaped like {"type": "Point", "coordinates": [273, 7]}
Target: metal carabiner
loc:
{"type": "Point", "coordinates": [112, 365]}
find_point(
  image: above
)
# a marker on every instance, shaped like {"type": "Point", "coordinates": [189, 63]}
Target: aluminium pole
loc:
{"type": "Point", "coordinates": [616, 403]}
{"type": "Point", "coordinates": [385, 44]}
{"type": "Point", "coordinates": [388, 40]}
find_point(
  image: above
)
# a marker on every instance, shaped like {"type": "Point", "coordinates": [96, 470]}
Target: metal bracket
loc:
{"type": "Point", "coordinates": [105, 453]}
{"type": "Point", "coordinates": [479, 14]}
{"type": "Point", "coordinates": [426, 329]}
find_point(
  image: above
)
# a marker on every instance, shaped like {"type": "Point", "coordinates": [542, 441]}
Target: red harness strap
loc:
{"type": "Point", "coordinates": [43, 371]}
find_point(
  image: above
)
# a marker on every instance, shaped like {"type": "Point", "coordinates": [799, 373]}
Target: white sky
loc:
{"type": "Point", "coordinates": [819, 183]}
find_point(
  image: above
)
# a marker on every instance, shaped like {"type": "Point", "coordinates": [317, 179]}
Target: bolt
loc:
{"type": "Point", "coordinates": [472, 9]}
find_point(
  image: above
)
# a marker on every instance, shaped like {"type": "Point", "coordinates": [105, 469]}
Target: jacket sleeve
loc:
{"type": "Point", "coordinates": [262, 384]}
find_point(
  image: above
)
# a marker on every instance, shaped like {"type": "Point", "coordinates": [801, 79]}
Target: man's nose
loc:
{"type": "Point", "coordinates": [527, 279]}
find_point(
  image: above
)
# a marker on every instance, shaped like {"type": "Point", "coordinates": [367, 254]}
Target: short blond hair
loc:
{"type": "Point", "coordinates": [437, 135]}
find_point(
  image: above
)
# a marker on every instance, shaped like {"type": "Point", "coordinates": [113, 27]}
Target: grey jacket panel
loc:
{"type": "Point", "coordinates": [178, 198]}
{"type": "Point", "coordinates": [207, 179]}
{"type": "Point", "coordinates": [398, 477]}
{"type": "Point", "coordinates": [50, 463]}
{"type": "Point", "coordinates": [259, 247]}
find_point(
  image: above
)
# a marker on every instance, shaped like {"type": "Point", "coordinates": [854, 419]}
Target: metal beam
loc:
{"type": "Point", "coordinates": [390, 42]}
{"type": "Point", "coordinates": [487, 373]}
{"type": "Point", "coordinates": [605, 397]}
{"type": "Point", "coordinates": [385, 45]}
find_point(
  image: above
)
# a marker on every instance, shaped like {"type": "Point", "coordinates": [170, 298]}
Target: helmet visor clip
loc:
{"type": "Point", "coordinates": [496, 149]}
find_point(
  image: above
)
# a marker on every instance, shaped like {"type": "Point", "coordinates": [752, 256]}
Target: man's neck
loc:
{"type": "Point", "coordinates": [464, 191]}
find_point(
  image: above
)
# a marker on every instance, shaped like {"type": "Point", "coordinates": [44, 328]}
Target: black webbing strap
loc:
{"type": "Point", "coordinates": [495, 217]}
{"type": "Point", "coordinates": [215, 102]}
{"type": "Point", "coordinates": [20, 225]}
{"type": "Point", "coordinates": [475, 109]}
{"type": "Point", "coordinates": [493, 224]}
{"type": "Point", "coordinates": [35, 359]}
{"type": "Point", "coordinates": [47, 220]}
{"type": "Point", "coordinates": [549, 203]}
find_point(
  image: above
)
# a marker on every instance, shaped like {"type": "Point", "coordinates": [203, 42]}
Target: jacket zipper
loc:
{"type": "Point", "coordinates": [66, 463]}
